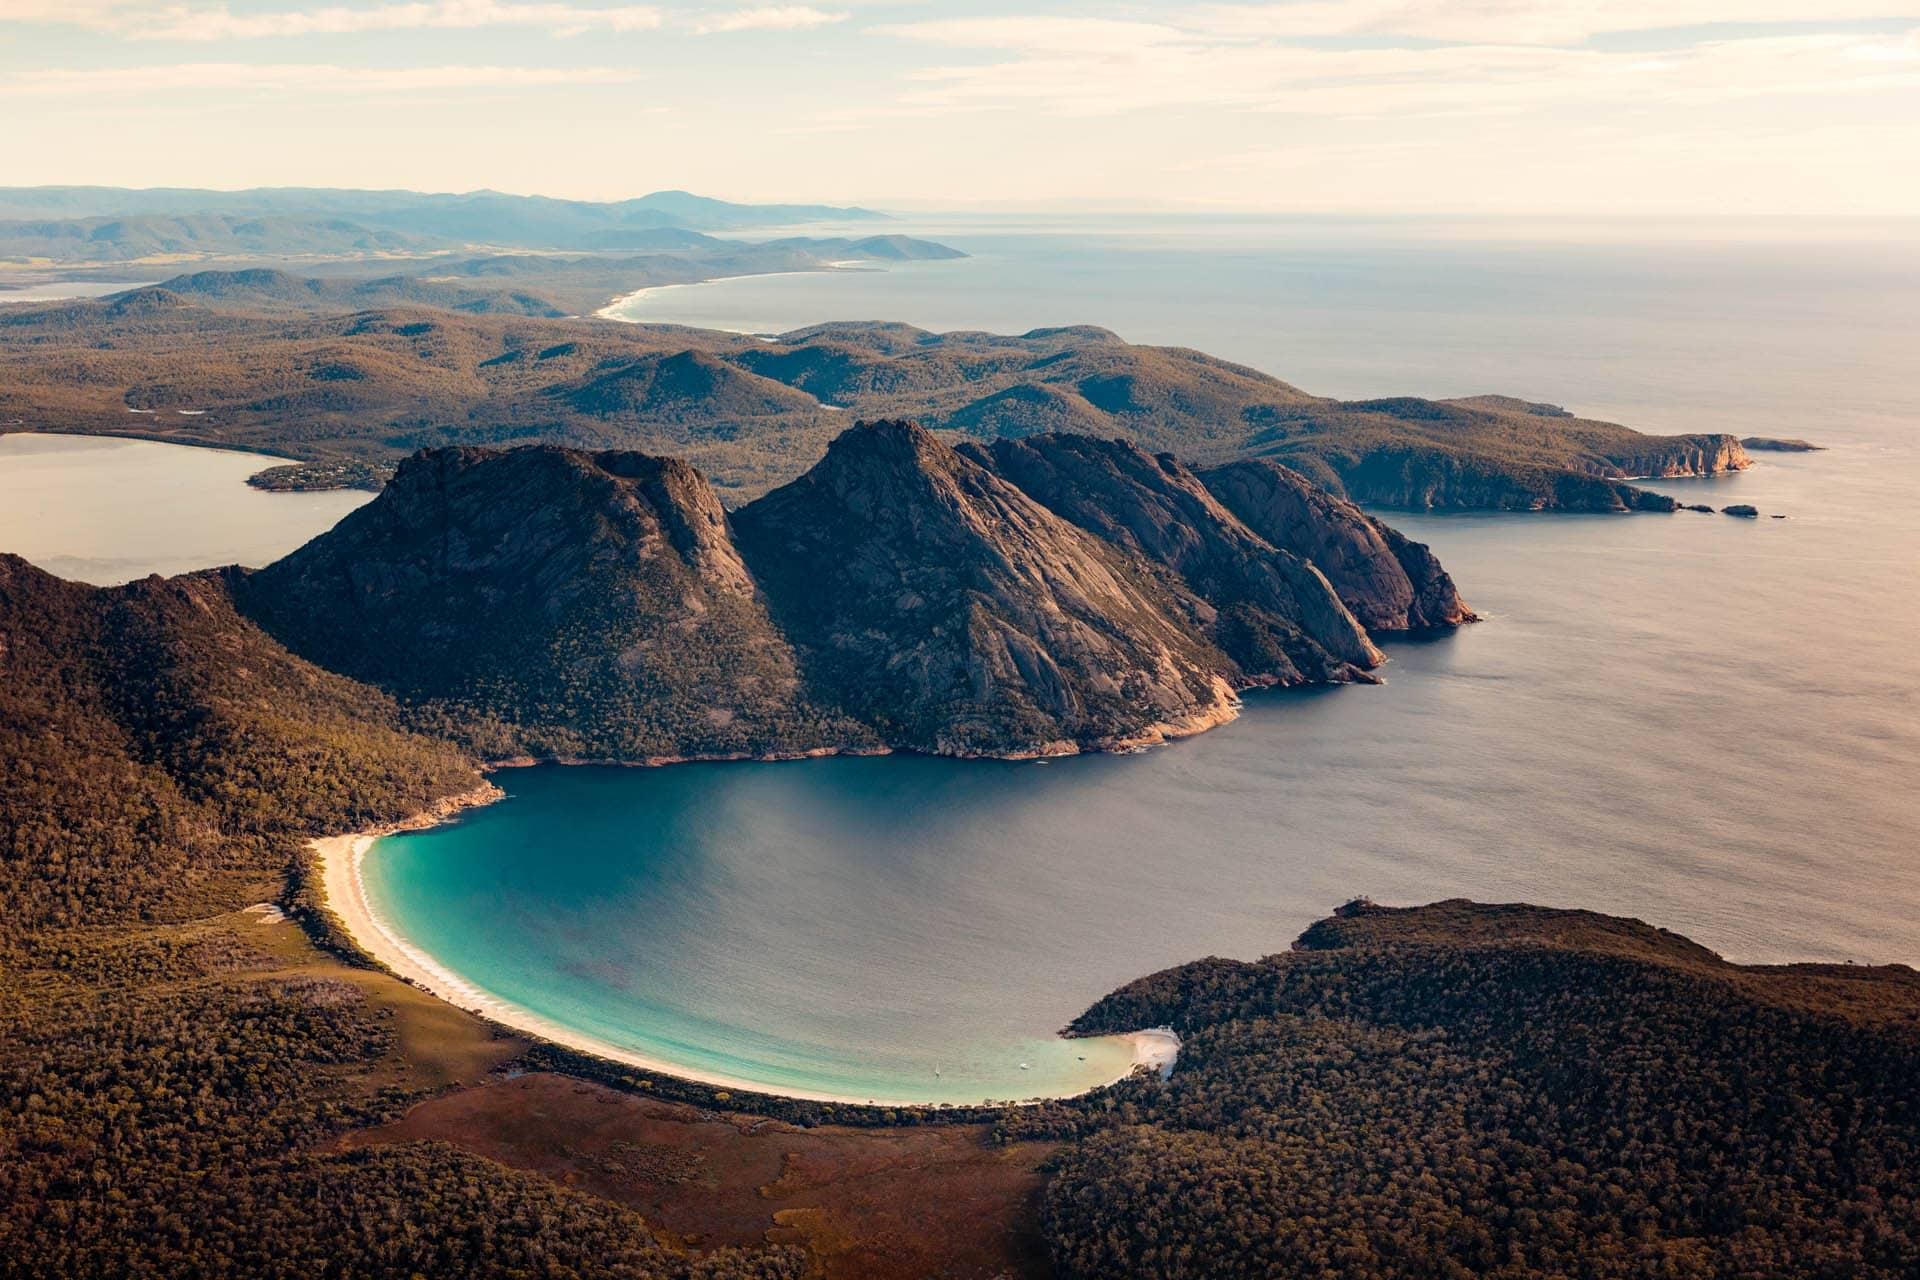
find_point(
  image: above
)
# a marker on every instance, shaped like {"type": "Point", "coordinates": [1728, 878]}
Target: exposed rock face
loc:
{"type": "Point", "coordinates": [954, 613]}
{"type": "Point", "coordinates": [1433, 479]}
{"type": "Point", "coordinates": [590, 604]}
{"type": "Point", "coordinates": [1389, 581]}
{"type": "Point", "coordinates": [1042, 596]}
{"type": "Point", "coordinates": [1674, 456]}
{"type": "Point", "coordinates": [1279, 618]}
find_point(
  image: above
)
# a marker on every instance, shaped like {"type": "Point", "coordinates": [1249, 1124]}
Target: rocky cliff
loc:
{"type": "Point", "coordinates": [1671, 457]}
{"type": "Point", "coordinates": [1389, 581]}
{"type": "Point", "coordinates": [1278, 616]}
{"type": "Point", "coordinates": [940, 604]}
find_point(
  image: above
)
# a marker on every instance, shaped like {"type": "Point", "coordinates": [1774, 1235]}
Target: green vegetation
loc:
{"type": "Point", "coordinates": [551, 603]}
{"type": "Point", "coordinates": [1447, 1091]}
{"type": "Point", "coordinates": [1501, 1091]}
{"type": "Point", "coordinates": [158, 749]}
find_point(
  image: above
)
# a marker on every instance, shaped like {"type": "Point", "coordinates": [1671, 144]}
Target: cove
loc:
{"type": "Point", "coordinates": [1650, 723]}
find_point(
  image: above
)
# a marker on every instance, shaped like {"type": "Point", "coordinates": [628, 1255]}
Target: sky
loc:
{"type": "Point", "coordinates": [1508, 107]}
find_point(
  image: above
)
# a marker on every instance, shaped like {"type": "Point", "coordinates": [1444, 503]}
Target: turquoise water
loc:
{"type": "Point", "coordinates": [1662, 717]}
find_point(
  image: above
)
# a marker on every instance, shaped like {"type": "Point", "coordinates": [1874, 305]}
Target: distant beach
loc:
{"type": "Point", "coordinates": [614, 310]}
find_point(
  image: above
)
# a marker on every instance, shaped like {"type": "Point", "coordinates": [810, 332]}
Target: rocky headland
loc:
{"type": "Point", "coordinates": [1050, 595]}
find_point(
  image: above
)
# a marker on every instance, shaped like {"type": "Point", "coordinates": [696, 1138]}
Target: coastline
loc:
{"type": "Point", "coordinates": [609, 312]}
{"type": "Point", "coordinates": [343, 892]}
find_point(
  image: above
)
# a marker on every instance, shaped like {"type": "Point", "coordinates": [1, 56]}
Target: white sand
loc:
{"type": "Point", "coordinates": [612, 311]}
{"type": "Point", "coordinates": [346, 896]}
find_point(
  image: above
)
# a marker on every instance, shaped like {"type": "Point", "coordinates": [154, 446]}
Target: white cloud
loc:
{"type": "Point", "coordinates": [787, 17]}
{"type": "Point", "coordinates": [1100, 68]}
{"type": "Point", "coordinates": [137, 20]}
{"type": "Point", "coordinates": [1522, 21]}
{"type": "Point", "coordinates": [227, 77]}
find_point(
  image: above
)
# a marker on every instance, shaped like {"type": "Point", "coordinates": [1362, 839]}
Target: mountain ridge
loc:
{"type": "Point", "coordinates": [566, 604]}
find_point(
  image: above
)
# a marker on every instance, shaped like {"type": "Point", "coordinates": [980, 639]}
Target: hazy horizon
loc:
{"type": "Point", "coordinates": [1502, 107]}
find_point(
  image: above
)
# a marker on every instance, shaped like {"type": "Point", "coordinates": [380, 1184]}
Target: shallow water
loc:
{"type": "Point", "coordinates": [105, 510]}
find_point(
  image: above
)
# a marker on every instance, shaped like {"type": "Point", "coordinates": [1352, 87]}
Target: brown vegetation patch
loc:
{"type": "Point", "coordinates": [867, 1204]}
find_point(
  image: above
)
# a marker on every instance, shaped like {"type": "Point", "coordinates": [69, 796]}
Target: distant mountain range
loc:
{"type": "Point", "coordinates": [116, 224]}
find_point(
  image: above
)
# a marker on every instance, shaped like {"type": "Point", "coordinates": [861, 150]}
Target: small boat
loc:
{"type": "Point", "coordinates": [1025, 1067]}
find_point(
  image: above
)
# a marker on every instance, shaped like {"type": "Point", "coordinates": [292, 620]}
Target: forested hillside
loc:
{"type": "Point", "coordinates": [1463, 1090]}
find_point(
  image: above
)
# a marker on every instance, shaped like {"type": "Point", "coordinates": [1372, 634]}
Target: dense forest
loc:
{"type": "Point", "coordinates": [1461, 1090]}
{"type": "Point", "coordinates": [165, 1086]}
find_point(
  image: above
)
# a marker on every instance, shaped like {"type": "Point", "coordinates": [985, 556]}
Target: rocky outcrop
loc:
{"type": "Point", "coordinates": [1424, 479]}
{"type": "Point", "coordinates": [1671, 457]}
{"type": "Point", "coordinates": [552, 602]}
{"type": "Point", "coordinates": [1278, 616]}
{"type": "Point", "coordinates": [1389, 581]}
{"type": "Point", "coordinates": [1773, 444]}
{"type": "Point", "coordinates": [1742, 510]}
{"type": "Point", "coordinates": [937, 602]}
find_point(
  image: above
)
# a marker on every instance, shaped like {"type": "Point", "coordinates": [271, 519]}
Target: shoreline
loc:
{"type": "Point", "coordinates": [608, 312]}
{"type": "Point", "coordinates": [343, 890]}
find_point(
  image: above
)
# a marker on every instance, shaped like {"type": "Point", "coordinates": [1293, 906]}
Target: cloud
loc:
{"type": "Point", "coordinates": [136, 20]}
{"type": "Point", "coordinates": [1522, 21]}
{"type": "Point", "coordinates": [1099, 68]}
{"type": "Point", "coordinates": [228, 77]}
{"type": "Point", "coordinates": [787, 17]}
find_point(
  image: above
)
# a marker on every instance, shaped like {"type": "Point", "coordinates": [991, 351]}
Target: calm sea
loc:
{"type": "Point", "coordinates": [105, 510]}
{"type": "Point", "coordinates": [1709, 723]}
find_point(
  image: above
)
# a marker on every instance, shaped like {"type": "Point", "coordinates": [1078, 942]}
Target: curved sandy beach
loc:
{"type": "Point", "coordinates": [340, 859]}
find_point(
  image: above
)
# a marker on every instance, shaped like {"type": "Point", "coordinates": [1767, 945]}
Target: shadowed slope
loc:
{"type": "Point", "coordinates": [944, 606]}
{"type": "Point", "coordinates": [550, 601]}
{"type": "Point", "coordinates": [1391, 582]}
{"type": "Point", "coordinates": [1278, 617]}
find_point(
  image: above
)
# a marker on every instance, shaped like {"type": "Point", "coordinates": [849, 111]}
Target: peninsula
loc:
{"type": "Point", "coordinates": [330, 377]}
